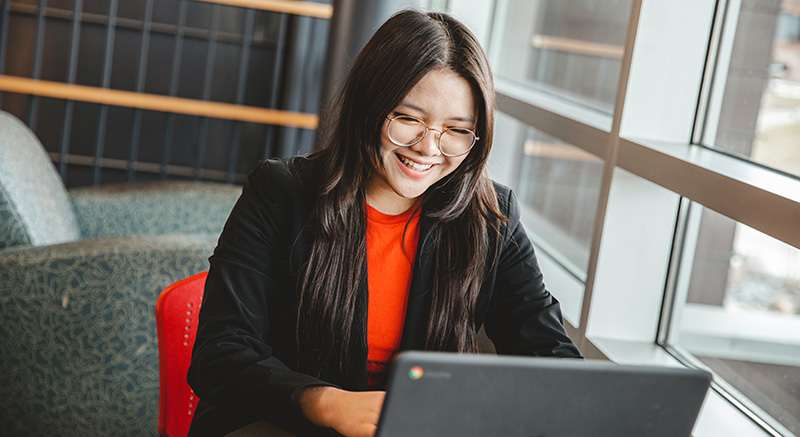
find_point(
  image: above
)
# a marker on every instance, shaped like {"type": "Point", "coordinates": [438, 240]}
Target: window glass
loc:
{"type": "Point", "coordinates": [759, 112]}
{"type": "Point", "coordinates": [570, 48]}
{"type": "Point", "coordinates": [739, 313]}
{"type": "Point", "coordinates": [557, 184]}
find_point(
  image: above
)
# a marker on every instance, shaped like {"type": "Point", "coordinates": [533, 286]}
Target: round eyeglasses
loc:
{"type": "Point", "coordinates": [405, 131]}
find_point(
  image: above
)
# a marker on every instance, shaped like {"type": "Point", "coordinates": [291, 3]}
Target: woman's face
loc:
{"type": "Point", "coordinates": [441, 99]}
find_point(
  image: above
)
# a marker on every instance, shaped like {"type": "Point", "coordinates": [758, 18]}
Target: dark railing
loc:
{"type": "Point", "coordinates": [120, 91]}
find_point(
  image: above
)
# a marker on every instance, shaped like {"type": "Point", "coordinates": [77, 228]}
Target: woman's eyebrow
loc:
{"type": "Point", "coordinates": [412, 106]}
{"type": "Point", "coordinates": [421, 110]}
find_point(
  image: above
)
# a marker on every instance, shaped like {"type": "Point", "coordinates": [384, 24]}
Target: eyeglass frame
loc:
{"type": "Point", "coordinates": [438, 140]}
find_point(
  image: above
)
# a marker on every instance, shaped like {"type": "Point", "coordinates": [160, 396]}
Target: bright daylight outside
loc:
{"type": "Point", "coordinates": [742, 311]}
{"type": "Point", "coordinates": [738, 303]}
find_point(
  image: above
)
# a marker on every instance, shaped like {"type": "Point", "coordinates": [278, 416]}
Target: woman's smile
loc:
{"type": "Point", "coordinates": [419, 169]}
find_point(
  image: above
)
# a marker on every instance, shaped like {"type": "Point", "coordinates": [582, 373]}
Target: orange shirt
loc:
{"type": "Point", "coordinates": [389, 271]}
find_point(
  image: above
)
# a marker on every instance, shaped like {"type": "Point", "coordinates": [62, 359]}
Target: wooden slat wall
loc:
{"type": "Point", "coordinates": [153, 102]}
{"type": "Point", "coordinates": [168, 104]}
{"type": "Point", "coordinates": [581, 47]}
{"type": "Point", "coordinates": [309, 9]}
{"type": "Point", "coordinates": [178, 105]}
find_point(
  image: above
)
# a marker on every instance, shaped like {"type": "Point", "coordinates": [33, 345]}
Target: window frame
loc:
{"type": "Point", "coordinates": [664, 153]}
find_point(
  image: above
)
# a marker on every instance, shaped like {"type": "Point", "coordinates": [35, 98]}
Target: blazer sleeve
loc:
{"type": "Point", "coordinates": [523, 317]}
{"type": "Point", "coordinates": [233, 366]}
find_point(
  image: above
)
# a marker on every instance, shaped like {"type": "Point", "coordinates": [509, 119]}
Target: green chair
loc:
{"type": "Point", "coordinates": [80, 273]}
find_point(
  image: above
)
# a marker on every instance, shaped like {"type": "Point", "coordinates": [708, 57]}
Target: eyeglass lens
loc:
{"type": "Point", "coordinates": [407, 131]}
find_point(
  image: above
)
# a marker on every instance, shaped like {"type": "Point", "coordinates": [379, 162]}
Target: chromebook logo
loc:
{"type": "Point", "coordinates": [415, 372]}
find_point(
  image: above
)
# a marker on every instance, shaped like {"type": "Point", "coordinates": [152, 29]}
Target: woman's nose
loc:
{"type": "Point", "coordinates": [428, 146]}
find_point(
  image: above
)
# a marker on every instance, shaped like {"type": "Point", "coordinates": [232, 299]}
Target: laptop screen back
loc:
{"type": "Point", "coordinates": [441, 394]}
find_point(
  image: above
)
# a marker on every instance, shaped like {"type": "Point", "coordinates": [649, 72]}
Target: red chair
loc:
{"type": "Point", "coordinates": [176, 320]}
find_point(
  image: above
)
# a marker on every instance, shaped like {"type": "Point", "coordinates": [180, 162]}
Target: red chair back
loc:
{"type": "Point", "coordinates": [176, 319]}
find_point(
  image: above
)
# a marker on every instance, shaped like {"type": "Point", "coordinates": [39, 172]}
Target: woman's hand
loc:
{"type": "Point", "coordinates": [350, 413]}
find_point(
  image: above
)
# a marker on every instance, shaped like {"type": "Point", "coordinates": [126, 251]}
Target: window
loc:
{"type": "Point", "coordinates": [573, 49]}
{"type": "Point", "coordinates": [674, 138]}
{"type": "Point", "coordinates": [757, 85]}
{"type": "Point", "coordinates": [567, 57]}
{"type": "Point", "coordinates": [557, 185]}
{"type": "Point", "coordinates": [737, 304]}
{"type": "Point", "coordinates": [738, 312]}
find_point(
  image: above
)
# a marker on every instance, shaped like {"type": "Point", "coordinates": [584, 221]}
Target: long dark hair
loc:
{"type": "Point", "coordinates": [462, 207]}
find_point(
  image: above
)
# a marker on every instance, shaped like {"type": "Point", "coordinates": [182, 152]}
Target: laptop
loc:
{"type": "Point", "coordinates": [446, 394]}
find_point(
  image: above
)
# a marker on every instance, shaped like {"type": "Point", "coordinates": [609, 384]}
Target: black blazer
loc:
{"type": "Point", "coordinates": [244, 362]}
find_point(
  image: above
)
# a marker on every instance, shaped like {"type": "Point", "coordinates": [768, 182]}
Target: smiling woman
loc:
{"type": "Point", "coordinates": [410, 167]}
{"type": "Point", "coordinates": [390, 238]}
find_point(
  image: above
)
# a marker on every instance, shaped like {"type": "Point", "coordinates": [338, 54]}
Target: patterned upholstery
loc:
{"type": "Point", "coordinates": [34, 205]}
{"type": "Point", "coordinates": [80, 272]}
{"type": "Point", "coordinates": [141, 208]}
{"type": "Point", "coordinates": [78, 334]}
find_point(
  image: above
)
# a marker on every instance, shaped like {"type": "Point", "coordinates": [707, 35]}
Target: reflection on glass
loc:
{"type": "Point", "coordinates": [742, 313]}
{"type": "Point", "coordinates": [760, 112]}
{"type": "Point", "coordinates": [562, 183]}
{"type": "Point", "coordinates": [571, 48]}
{"type": "Point", "coordinates": [558, 185]}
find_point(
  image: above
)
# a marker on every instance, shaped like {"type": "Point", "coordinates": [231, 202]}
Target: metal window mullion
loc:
{"type": "Point", "coordinates": [608, 171]}
{"type": "Point", "coordinates": [173, 88]}
{"type": "Point", "coordinates": [589, 138]}
{"type": "Point", "coordinates": [72, 74]}
{"type": "Point", "coordinates": [102, 122]}
{"type": "Point", "coordinates": [677, 258]}
{"type": "Point", "coordinates": [241, 84]}
{"type": "Point", "coordinates": [709, 73]}
{"type": "Point", "coordinates": [209, 78]}
{"type": "Point", "coordinates": [277, 76]}
{"type": "Point", "coordinates": [777, 202]}
{"type": "Point", "coordinates": [36, 68]}
{"type": "Point", "coordinates": [140, 82]}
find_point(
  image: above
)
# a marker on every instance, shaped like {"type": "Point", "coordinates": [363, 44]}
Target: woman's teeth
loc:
{"type": "Point", "coordinates": [413, 165]}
